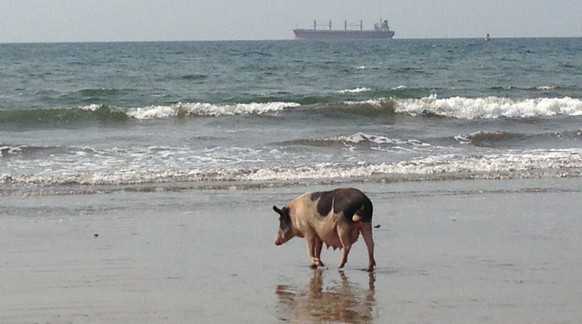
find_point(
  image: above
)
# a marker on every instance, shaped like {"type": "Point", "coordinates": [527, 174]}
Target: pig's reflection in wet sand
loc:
{"type": "Point", "coordinates": [338, 300]}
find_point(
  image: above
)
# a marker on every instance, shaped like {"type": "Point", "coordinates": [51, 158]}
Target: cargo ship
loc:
{"type": "Point", "coordinates": [381, 31]}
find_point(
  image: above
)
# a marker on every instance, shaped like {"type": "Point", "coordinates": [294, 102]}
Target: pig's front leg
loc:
{"type": "Point", "coordinates": [317, 251]}
{"type": "Point", "coordinates": [314, 245]}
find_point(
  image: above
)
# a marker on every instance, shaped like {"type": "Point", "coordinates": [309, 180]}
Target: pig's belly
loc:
{"type": "Point", "coordinates": [331, 238]}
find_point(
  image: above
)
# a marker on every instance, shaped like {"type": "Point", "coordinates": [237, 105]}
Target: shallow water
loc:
{"type": "Point", "coordinates": [451, 251]}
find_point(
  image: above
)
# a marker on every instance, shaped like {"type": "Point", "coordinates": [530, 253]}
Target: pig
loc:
{"type": "Point", "coordinates": [335, 217]}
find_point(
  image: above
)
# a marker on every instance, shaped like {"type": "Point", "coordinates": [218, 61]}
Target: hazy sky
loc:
{"type": "Point", "coordinates": [154, 20]}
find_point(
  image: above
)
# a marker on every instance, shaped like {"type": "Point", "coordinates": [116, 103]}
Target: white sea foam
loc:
{"type": "Point", "coordinates": [153, 112]}
{"type": "Point", "coordinates": [378, 139]}
{"type": "Point", "coordinates": [356, 90]}
{"type": "Point", "coordinates": [207, 109]}
{"type": "Point", "coordinates": [534, 163]}
{"type": "Point", "coordinates": [5, 150]}
{"type": "Point", "coordinates": [489, 166]}
{"type": "Point", "coordinates": [91, 107]}
{"type": "Point", "coordinates": [490, 107]}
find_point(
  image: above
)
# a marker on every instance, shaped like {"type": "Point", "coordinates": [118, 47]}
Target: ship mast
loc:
{"type": "Point", "coordinates": [315, 25]}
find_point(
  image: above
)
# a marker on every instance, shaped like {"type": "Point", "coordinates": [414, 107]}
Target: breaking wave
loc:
{"type": "Point", "coordinates": [6, 150]}
{"type": "Point", "coordinates": [207, 109]}
{"type": "Point", "coordinates": [363, 139]}
{"type": "Point", "coordinates": [486, 139]}
{"type": "Point", "coordinates": [455, 107]}
{"type": "Point", "coordinates": [103, 113]}
{"type": "Point", "coordinates": [489, 107]}
{"type": "Point", "coordinates": [61, 115]}
{"type": "Point", "coordinates": [356, 90]}
{"type": "Point", "coordinates": [496, 138]}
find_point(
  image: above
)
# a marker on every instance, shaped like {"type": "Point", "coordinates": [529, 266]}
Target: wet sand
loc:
{"type": "Point", "coordinates": [447, 252]}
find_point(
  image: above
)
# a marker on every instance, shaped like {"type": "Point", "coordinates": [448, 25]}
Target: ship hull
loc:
{"type": "Point", "coordinates": [310, 34]}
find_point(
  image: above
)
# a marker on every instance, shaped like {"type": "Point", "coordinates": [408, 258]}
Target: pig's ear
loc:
{"type": "Point", "coordinates": [279, 211]}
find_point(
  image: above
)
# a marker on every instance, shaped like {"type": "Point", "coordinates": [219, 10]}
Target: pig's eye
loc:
{"type": "Point", "coordinates": [283, 224]}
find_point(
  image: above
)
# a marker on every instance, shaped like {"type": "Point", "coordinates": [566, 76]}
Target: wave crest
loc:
{"type": "Point", "coordinates": [103, 113]}
{"type": "Point", "coordinates": [490, 107]}
{"type": "Point", "coordinates": [361, 138]}
{"type": "Point", "coordinates": [487, 139]}
{"type": "Point", "coordinates": [207, 109]}
{"type": "Point", "coordinates": [355, 90]}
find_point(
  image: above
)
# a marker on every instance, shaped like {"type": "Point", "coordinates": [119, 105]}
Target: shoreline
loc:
{"type": "Point", "coordinates": [496, 251]}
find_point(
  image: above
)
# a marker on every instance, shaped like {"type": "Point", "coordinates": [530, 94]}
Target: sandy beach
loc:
{"type": "Point", "coordinates": [496, 251]}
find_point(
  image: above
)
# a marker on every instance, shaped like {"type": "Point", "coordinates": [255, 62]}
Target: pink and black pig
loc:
{"type": "Point", "coordinates": [335, 217]}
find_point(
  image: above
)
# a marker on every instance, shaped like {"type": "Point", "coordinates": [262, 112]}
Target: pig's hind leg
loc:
{"type": "Point", "coordinates": [345, 239]}
{"type": "Point", "coordinates": [366, 231]}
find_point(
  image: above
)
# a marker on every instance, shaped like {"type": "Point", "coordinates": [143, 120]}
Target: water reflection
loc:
{"type": "Point", "coordinates": [336, 300]}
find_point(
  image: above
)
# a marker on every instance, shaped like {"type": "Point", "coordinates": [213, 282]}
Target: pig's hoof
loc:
{"type": "Point", "coordinates": [316, 263]}
{"type": "Point", "coordinates": [371, 266]}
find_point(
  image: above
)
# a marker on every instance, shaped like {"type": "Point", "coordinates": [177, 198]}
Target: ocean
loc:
{"type": "Point", "coordinates": [137, 180]}
{"type": "Point", "coordinates": [103, 117]}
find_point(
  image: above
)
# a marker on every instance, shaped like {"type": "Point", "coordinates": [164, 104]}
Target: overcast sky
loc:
{"type": "Point", "coordinates": [161, 20]}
